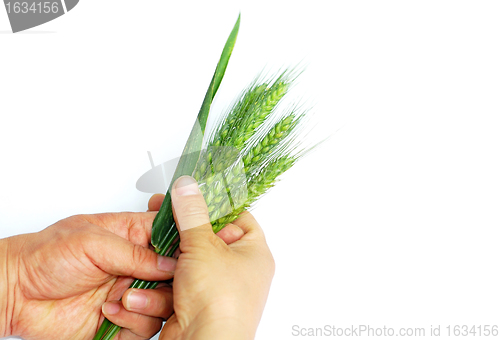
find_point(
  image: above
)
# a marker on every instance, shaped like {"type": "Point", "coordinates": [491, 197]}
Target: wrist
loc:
{"type": "Point", "coordinates": [222, 329]}
{"type": "Point", "coordinates": [8, 286]}
{"type": "Point", "coordinates": [221, 326]}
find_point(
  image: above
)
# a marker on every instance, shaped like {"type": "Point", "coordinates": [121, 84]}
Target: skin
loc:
{"type": "Point", "coordinates": [60, 277]}
{"type": "Point", "coordinates": [219, 290]}
{"type": "Point", "coordinates": [63, 280]}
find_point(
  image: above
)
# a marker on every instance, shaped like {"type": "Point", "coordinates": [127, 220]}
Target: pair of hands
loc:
{"type": "Point", "coordinates": [57, 280]}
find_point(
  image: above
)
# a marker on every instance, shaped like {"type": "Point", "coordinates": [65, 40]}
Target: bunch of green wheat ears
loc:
{"type": "Point", "coordinates": [252, 144]}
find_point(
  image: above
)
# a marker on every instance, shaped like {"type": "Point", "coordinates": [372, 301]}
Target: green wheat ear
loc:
{"type": "Point", "coordinates": [251, 108]}
{"type": "Point", "coordinates": [264, 140]}
{"type": "Point", "coordinates": [257, 187]}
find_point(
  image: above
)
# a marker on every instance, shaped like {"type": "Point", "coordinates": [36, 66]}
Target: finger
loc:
{"type": "Point", "coordinates": [172, 329]}
{"type": "Point", "coordinates": [155, 202]}
{"type": "Point", "coordinates": [247, 223]}
{"type": "Point", "coordinates": [190, 211]}
{"type": "Point", "coordinates": [150, 302]}
{"type": "Point", "coordinates": [117, 256]}
{"type": "Point", "coordinates": [135, 227]}
{"type": "Point", "coordinates": [230, 233]}
{"type": "Point", "coordinates": [121, 284]}
{"type": "Point", "coordinates": [176, 254]}
{"type": "Point", "coordinates": [141, 325]}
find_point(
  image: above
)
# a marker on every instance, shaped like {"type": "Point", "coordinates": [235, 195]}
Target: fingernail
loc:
{"type": "Point", "coordinates": [110, 308]}
{"type": "Point", "coordinates": [136, 300]}
{"type": "Point", "coordinates": [185, 186]}
{"type": "Point", "coordinates": [166, 264]}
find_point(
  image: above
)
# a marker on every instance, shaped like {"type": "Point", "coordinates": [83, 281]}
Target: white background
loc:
{"type": "Point", "coordinates": [393, 221]}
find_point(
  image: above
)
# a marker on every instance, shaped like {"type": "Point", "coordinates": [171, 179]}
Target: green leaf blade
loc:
{"type": "Point", "coordinates": [164, 219]}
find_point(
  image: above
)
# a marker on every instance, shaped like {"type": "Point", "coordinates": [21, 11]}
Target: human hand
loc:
{"type": "Point", "coordinates": [55, 281]}
{"type": "Point", "coordinates": [58, 279]}
{"type": "Point", "coordinates": [219, 290]}
{"type": "Point", "coordinates": [156, 302]}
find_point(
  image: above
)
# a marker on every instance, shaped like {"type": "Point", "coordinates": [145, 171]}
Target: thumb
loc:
{"type": "Point", "coordinates": [190, 210]}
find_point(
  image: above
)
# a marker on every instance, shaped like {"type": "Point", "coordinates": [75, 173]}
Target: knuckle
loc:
{"type": "Point", "coordinates": [191, 206]}
{"type": "Point", "coordinates": [139, 255]}
{"type": "Point", "coordinates": [136, 234]}
{"type": "Point", "coordinates": [199, 239]}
